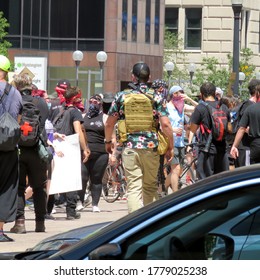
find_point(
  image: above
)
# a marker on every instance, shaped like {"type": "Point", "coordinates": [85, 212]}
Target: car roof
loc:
{"type": "Point", "coordinates": [133, 219]}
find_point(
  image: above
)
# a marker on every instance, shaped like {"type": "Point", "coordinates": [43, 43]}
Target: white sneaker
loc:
{"type": "Point", "coordinates": [95, 209]}
{"type": "Point", "coordinates": [79, 206]}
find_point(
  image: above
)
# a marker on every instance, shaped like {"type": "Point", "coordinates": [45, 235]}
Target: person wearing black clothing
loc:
{"type": "Point", "coordinates": [96, 165]}
{"type": "Point", "coordinates": [249, 125]}
{"type": "Point", "coordinates": [72, 99]}
{"type": "Point", "coordinates": [30, 165]}
{"type": "Point", "coordinates": [244, 146]}
{"type": "Point", "coordinates": [55, 104]}
{"type": "Point", "coordinates": [216, 159]}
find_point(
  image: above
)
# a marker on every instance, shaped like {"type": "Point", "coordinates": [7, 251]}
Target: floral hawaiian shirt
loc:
{"type": "Point", "coordinates": [142, 139]}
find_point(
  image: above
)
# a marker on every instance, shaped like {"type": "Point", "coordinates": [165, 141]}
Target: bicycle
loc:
{"type": "Point", "coordinates": [187, 176]}
{"type": "Point", "coordinates": [114, 182]}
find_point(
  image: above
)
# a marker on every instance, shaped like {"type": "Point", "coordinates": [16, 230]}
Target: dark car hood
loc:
{"type": "Point", "coordinates": [57, 241]}
{"type": "Point", "coordinates": [67, 238]}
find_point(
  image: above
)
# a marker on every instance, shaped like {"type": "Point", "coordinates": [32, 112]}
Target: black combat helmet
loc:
{"type": "Point", "coordinates": [141, 71]}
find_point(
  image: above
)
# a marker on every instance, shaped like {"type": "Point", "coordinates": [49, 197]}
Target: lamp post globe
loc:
{"type": "Point", "coordinates": [257, 75]}
{"type": "Point", "coordinates": [77, 56]}
{"type": "Point", "coordinates": [101, 58]}
{"type": "Point", "coordinates": [191, 68]}
{"type": "Point", "coordinates": [169, 66]}
{"type": "Point", "coordinates": [241, 77]}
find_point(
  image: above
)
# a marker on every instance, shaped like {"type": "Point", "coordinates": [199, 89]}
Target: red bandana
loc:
{"type": "Point", "coordinates": [60, 91]}
{"type": "Point", "coordinates": [73, 100]}
{"type": "Point", "coordinates": [178, 102]}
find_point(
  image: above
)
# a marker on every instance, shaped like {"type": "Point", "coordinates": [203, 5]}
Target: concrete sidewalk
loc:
{"type": "Point", "coordinates": [109, 212]}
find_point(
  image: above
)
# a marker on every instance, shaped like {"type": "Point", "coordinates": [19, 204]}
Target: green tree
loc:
{"type": "Point", "coordinates": [211, 71]}
{"type": "Point", "coordinates": [4, 44]}
{"type": "Point", "coordinates": [247, 67]}
{"type": "Point", "coordinates": [173, 51]}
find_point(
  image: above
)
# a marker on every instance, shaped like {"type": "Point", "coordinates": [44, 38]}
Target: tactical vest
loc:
{"type": "Point", "coordinates": [138, 109]}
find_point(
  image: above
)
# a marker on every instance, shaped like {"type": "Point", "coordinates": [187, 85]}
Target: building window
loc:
{"type": "Point", "coordinates": [63, 19]}
{"type": "Point", "coordinates": [27, 18]}
{"type": "Point", "coordinates": [193, 28]}
{"type": "Point", "coordinates": [157, 22]}
{"type": "Point", "coordinates": [12, 16]}
{"type": "Point", "coordinates": [172, 19]}
{"type": "Point", "coordinates": [134, 20]}
{"type": "Point", "coordinates": [44, 19]}
{"type": "Point", "coordinates": [55, 24]}
{"type": "Point", "coordinates": [124, 20]}
{"type": "Point", "coordinates": [147, 21]}
{"type": "Point", "coordinates": [91, 19]}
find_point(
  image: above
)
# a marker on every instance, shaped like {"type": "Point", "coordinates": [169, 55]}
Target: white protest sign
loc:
{"type": "Point", "coordinates": [66, 174]}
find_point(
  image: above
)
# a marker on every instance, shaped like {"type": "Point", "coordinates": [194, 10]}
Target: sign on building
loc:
{"type": "Point", "coordinates": [37, 65]}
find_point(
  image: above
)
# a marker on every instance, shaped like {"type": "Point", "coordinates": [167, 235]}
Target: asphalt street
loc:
{"type": "Point", "coordinates": [109, 212]}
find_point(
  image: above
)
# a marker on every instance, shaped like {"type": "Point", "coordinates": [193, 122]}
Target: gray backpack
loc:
{"type": "Point", "coordinates": [62, 123]}
{"type": "Point", "coordinates": [9, 127]}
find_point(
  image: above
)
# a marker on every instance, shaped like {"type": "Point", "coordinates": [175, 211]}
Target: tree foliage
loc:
{"type": "Point", "coordinates": [210, 70]}
{"type": "Point", "coordinates": [4, 44]}
{"type": "Point", "coordinates": [173, 51]}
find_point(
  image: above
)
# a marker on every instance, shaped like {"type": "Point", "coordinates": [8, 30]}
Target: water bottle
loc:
{"type": "Point", "coordinates": [49, 129]}
{"type": "Point", "coordinates": [180, 125]}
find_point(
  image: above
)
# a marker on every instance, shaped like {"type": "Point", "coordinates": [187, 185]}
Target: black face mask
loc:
{"type": "Point", "coordinates": [93, 110]}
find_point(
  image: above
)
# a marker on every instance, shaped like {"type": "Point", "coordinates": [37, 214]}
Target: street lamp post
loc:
{"type": "Point", "coordinates": [191, 68]}
{"type": "Point", "coordinates": [101, 58]}
{"type": "Point", "coordinates": [237, 8]}
{"type": "Point", "coordinates": [169, 66]}
{"type": "Point", "coordinates": [77, 56]}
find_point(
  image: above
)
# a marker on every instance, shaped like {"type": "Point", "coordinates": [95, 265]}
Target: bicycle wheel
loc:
{"type": "Point", "coordinates": [110, 187]}
{"type": "Point", "coordinates": [188, 176]}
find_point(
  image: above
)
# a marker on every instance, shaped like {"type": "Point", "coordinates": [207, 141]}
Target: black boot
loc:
{"type": "Point", "coordinates": [73, 216]}
{"type": "Point", "coordinates": [39, 227]}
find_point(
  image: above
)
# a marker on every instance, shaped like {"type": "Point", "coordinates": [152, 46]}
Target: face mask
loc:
{"type": "Point", "coordinates": [60, 92]}
{"type": "Point", "coordinates": [93, 110]}
{"type": "Point", "coordinates": [80, 106]}
{"type": "Point", "coordinates": [178, 102]}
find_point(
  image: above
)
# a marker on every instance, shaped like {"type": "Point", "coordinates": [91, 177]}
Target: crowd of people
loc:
{"type": "Point", "coordinates": [129, 119]}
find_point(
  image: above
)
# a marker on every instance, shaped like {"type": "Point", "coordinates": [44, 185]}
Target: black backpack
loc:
{"type": "Point", "coordinates": [62, 122]}
{"type": "Point", "coordinates": [30, 123]}
{"type": "Point", "coordinates": [9, 127]}
{"type": "Point", "coordinates": [219, 121]}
